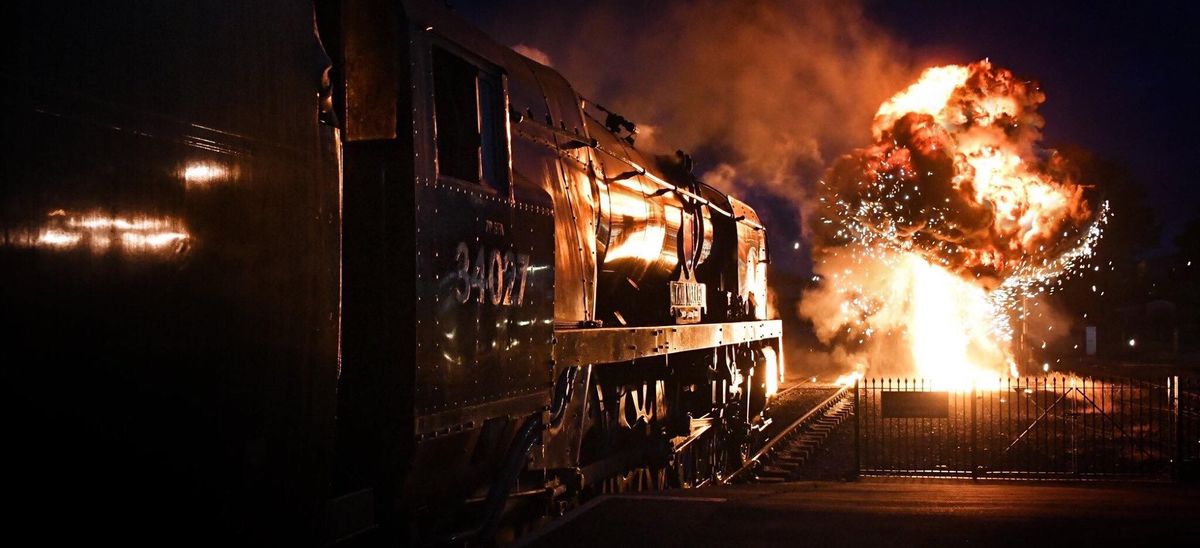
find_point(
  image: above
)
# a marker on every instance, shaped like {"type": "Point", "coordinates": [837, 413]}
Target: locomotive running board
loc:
{"type": "Point", "coordinates": [619, 344]}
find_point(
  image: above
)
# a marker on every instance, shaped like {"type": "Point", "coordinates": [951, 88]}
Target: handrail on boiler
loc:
{"type": "Point", "coordinates": [581, 141]}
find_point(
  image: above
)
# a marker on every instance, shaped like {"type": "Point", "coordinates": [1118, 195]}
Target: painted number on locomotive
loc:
{"type": "Point", "coordinates": [493, 278]}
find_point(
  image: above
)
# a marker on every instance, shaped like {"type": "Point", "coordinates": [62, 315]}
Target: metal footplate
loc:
{"type": "Point", "coordinates": [618, 344]}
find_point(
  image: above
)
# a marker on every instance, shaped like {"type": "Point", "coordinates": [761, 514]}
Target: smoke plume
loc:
{"type": "Point", "coordinates": [763, 93]}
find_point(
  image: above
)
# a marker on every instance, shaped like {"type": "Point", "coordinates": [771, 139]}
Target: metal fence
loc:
{"type": "Point", "coordinates": [1028, 427]}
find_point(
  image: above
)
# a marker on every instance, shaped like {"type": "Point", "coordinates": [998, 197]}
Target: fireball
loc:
{"type": "Point", "coordinates": [927, 240]}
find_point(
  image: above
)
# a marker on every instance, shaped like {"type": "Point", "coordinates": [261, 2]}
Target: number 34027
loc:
{"type": "Point", "coordinates": [494, 277]}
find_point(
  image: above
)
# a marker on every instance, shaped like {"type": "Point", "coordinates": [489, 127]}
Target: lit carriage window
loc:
{"type": "Point", "coordinates": [470, 131]}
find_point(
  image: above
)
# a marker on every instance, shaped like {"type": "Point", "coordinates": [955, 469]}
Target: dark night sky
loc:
{"type": "Point", "coordinates": [1120, 77]}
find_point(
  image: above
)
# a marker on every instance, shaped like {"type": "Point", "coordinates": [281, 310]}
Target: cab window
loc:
{"type": "Point", "coordinates": [468, 113]}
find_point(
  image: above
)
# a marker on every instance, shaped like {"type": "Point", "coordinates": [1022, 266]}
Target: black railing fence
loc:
{"type": "Point", "coordinates": [1053, 426]}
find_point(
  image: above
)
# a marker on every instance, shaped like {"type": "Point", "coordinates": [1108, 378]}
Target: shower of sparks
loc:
{"type": "Point", "coordinates": [929, 242]}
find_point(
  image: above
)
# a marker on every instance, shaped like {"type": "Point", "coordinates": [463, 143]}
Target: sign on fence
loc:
{"type": "Point", "coordinates": [915, 405]}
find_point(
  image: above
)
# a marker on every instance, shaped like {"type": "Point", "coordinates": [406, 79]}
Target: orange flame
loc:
{"type": "Point", "coordinates": [927, 239]}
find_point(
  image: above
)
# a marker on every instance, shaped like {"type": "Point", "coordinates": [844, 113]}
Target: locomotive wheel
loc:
{"type": "Point", "coordinates": [638, 480]}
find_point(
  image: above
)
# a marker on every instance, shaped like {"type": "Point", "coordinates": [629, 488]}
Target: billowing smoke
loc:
{"type": "Point", "coordinates": [926, 241]}
{"type": "Point", "coordinates": [533, 53]}
{"type": "Point", "coordinates": [763, 93]}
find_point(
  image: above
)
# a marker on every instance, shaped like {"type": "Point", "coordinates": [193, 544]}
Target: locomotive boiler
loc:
{"type": "Point", "coordinates": [352, 272]}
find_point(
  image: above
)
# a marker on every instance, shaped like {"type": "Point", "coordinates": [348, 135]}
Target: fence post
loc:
{"type": "Point", "coordinates": [974, 428]}
{"type": "Point", "coordinates": [1178, 417]}
{"type": "Point", "coordinates": [857, 432]}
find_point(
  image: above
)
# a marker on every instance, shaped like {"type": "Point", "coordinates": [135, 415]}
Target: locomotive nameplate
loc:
{"type": "Point", "coordinates": [915, 405]}
{"type": "Point", "coordinates": [688, 301]}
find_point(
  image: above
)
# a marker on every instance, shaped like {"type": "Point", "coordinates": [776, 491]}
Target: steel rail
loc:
{"type": "Point", "coordinates": [794, 387]}
{"type": "Point", "coordinates": [787, 432]}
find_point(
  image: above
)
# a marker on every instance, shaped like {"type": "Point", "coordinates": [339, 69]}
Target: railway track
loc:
{"type": "Point", "coordinates": [790, 449]}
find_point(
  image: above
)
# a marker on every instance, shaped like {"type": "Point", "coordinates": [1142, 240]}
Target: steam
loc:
{"type": "Point", "coordinates": [533, 53]}
{"type": "Point", "coordinates": [772, 90]}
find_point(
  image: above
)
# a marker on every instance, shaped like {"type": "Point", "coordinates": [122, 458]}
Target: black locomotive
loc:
{"type": "Point", "coordinates": [349, 272]}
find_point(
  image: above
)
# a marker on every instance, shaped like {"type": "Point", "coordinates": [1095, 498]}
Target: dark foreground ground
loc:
{"type": "Point", "coordinates": [888, 513]}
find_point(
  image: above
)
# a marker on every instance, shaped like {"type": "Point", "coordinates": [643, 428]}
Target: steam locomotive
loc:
{"type": "Point", "coordinates": [349, 272]}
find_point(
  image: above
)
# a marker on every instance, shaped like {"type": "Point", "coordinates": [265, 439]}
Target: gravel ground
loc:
{"type": "Point", "coordinates": [834, 459]}
{"type": "Point", "coordinates": [791, 403]}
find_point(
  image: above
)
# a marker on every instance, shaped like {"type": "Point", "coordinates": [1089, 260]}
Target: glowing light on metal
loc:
{"type": "Point", "coordinates": [773, 372]}
{"type": "Point", "coordinates": [100, 233]}
{"type": "Point", "coordinates": [199, 174]}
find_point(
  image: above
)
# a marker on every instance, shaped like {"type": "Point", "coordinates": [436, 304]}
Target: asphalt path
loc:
{"type": "Point", "coordinates": [881, 512]}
